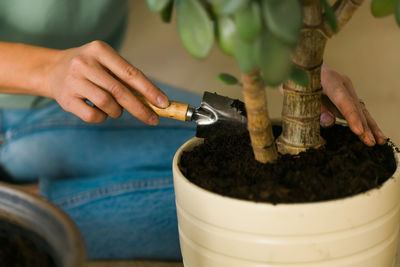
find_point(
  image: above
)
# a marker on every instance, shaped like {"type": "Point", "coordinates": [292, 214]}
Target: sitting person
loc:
{"type": "Point", "coordinates": [104, 164]}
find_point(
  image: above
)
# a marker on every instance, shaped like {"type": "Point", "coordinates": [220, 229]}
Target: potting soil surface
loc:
{"type": "Point", "coordinates": [344, 167]}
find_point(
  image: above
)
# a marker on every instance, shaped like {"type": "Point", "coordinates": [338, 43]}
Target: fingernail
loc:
{"type": "Point", "coordinates": [327, 119]}
{"type": "Point", "coordinates": [358, 128]}
{"type": "Point", "coordinates": [153, 120]}
{"type": "Point", "coordinates": [371, 138]}
{"type": "Point", "coordinates": [382, 138]}
{"type": "Point", "coordinates": [382, 141]}
{"type": "Point", "coordinates": [163, 101]}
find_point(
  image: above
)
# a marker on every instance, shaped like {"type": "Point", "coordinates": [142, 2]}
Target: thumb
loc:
{"type": "Point", "coordinates": [327, 119]}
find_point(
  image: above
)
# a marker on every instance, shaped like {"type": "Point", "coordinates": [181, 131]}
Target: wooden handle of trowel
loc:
{"type": "Point", "coordinates": [175, 110]}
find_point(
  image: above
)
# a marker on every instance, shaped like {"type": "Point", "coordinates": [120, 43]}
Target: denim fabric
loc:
{"type": "Point", "coordinates": [113, 179]}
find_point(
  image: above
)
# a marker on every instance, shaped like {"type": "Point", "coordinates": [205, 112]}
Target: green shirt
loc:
{"type": "Point", "coordinates": [59, 24]}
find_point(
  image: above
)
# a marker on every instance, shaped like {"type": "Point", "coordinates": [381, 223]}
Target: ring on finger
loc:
{"type": "Point", "coordinates": [361, 101]}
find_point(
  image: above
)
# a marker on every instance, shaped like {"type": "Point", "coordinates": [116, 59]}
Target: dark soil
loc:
{"type": "Point", "coordinates": [22, 248]}
{"type": "Point", "coordinates": [345, 167]}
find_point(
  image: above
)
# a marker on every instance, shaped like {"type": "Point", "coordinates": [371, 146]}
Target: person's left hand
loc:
{"type": "Point", "coordinates": [339, 99]}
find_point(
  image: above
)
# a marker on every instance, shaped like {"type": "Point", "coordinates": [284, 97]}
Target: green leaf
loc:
{"type": "Point", "coordinates": [330, 15]}
{"type": "Point", "coordinates": [166, 13]}
{"type": "Point", "coordinates": [248, 21]}
{"type": "Point", "coordinates": [157, 5]}
{"type": "Point", "coordinates": [195, 28]}
{"type": "Point", "coordinates": [283, 18]}
{"type": "Point", "coordinates": [245, 54]}
{"type": "Point", "coordinates": [299, 76]}
{"type": "Point", "coordinates": [226, 30]}
{"type": "Point", "coordinates": [273, 59]}
{"type": "Point", "coordinates": [226, 78]}
{"type": "Point", "coordinates": [226, 7]}
{"type": "Point", "coordinates": [382, 8]}
{"type": "Point", "coordinates": [397, 12]}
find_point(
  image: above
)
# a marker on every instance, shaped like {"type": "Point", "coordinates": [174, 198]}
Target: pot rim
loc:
{"type": "Point", "coordinates": [19, 198]}
{"type": "Point", "coordinates": [395, 178]}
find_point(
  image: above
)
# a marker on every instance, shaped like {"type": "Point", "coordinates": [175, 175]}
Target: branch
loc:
{"type": "Point", "coordinates": [337, 4]}
{"type": "Point", "coordinates": [343, 11]}
{"type": "Point", "coordinates": [312, 14]}
{"type": "Point", "coordinates": [258, 122]}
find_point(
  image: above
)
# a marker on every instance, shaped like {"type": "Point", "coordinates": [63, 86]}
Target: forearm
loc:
{"type": "Point", "coordinates": [23, 68]}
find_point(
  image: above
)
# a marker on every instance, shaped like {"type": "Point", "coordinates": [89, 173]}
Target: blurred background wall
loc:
{"type": "Point", "coordinates": [367, 50]}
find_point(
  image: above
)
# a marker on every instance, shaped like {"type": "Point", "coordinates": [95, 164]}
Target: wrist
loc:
{"type": "Point", "coordinates": [40, 82]}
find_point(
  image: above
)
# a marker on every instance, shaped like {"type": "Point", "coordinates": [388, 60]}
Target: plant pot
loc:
{"type": "Point", "coordinates": [41, 218]}
{"type": "Point", "coordinates": [218, 231]}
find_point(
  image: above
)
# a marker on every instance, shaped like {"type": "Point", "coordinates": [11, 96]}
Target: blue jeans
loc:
{"type": "Point", "coordinates": [113, 179]}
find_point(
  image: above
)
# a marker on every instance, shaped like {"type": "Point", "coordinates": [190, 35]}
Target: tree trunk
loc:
{"type": "Point", "coordinates": [259, 124]}
{"type": "Point", "coordinates": [302, 105]}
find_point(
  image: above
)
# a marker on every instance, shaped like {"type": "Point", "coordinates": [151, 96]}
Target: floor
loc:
{"type": "Point", "coordinates": [371, 59]}
{"type": "Point", "coordinates": [134, 264]}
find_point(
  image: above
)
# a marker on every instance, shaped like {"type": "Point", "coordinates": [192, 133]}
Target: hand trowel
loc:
{"type": "Point", "coordinates": [217, 115]}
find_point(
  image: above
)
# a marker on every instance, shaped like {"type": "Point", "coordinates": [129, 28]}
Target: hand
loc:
{"type": "Point", "coordinates": [340, 100]}
{"type": "Point", "coordinates": [95, 72]}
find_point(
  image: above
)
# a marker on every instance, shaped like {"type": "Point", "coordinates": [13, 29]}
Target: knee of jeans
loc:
{"type": "Point", "coordinates": [131, 219]}
{"type": "Point", "coordinates": [23, 160]}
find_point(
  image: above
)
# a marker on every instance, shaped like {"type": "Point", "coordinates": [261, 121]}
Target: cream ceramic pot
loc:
{"type": "Point", "coordinates": [218, 231]}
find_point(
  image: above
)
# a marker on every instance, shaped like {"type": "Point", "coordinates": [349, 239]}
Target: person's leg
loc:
{"type": "Point", "coordinates": [53, 143]}
{"type": "Point", "coordinates": [114, 179]}
{"type": "Point", "coordinates": [124, 216]}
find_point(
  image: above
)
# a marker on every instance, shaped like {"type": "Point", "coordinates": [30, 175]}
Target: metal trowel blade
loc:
{"type": "Point", "coordinates": [219, 115]}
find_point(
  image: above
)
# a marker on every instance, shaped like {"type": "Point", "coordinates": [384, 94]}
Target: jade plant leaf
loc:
{"type": "Point", "coordinates": [273, 59]}
{"type": "Point", "coordinates": [382, 8]}
{"type": "Point", "coordinates": [397, 12]}
{"type": "Point", "coordinates": [299, 76]}
{"type": "Point", "coordinates": [283, 18]}
{"type": "Point", "coordinates": [166, 13]}
{"type": "Point", "coordinates": [226, 30]}
{"type": "Point", "coordinates": [330, 15]}
{"type": "Point", "coordinates": [195, 28]}
{"type": "Point", "coordinates": [248, 21]}
{"type": "Point", "coordinates": [226, 7]}
{"type": "Point", "coordinates": [245, 54]}
{"type": "Point", "coordinates": [227, 79]}
{"type": "Point", "coordinates": [157, 5]}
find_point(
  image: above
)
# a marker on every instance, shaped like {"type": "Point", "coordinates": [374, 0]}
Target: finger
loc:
{"type": "Point", "coordinates": [366, 137]}
{"type": "Point", "coordinates": [327, 119]}
{"type": "Point", "coordinates": [348, 108]}
{"type": "Point", "coordinates": [340, 90]}
{"type": "Point", "coordinates": [376, 131]}
{"type": "Point", "coordinates": [101, 99]}
{"type": "Point", "coordinates": [369, 137]}
{"type": "Point", "coordinates": [132, 76]}
{"type": "Point", "coordinates": [86, 112]}
{"type": "Point", "coordinates": [350, 87]}
{"type": "Point", "coordinates": [124, 96]}
{"type": "Point", "coordinates": [327, 105]}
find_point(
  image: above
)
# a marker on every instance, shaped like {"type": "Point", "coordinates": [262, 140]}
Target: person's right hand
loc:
{"type": "Point", "coordinates": [97, 73]}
